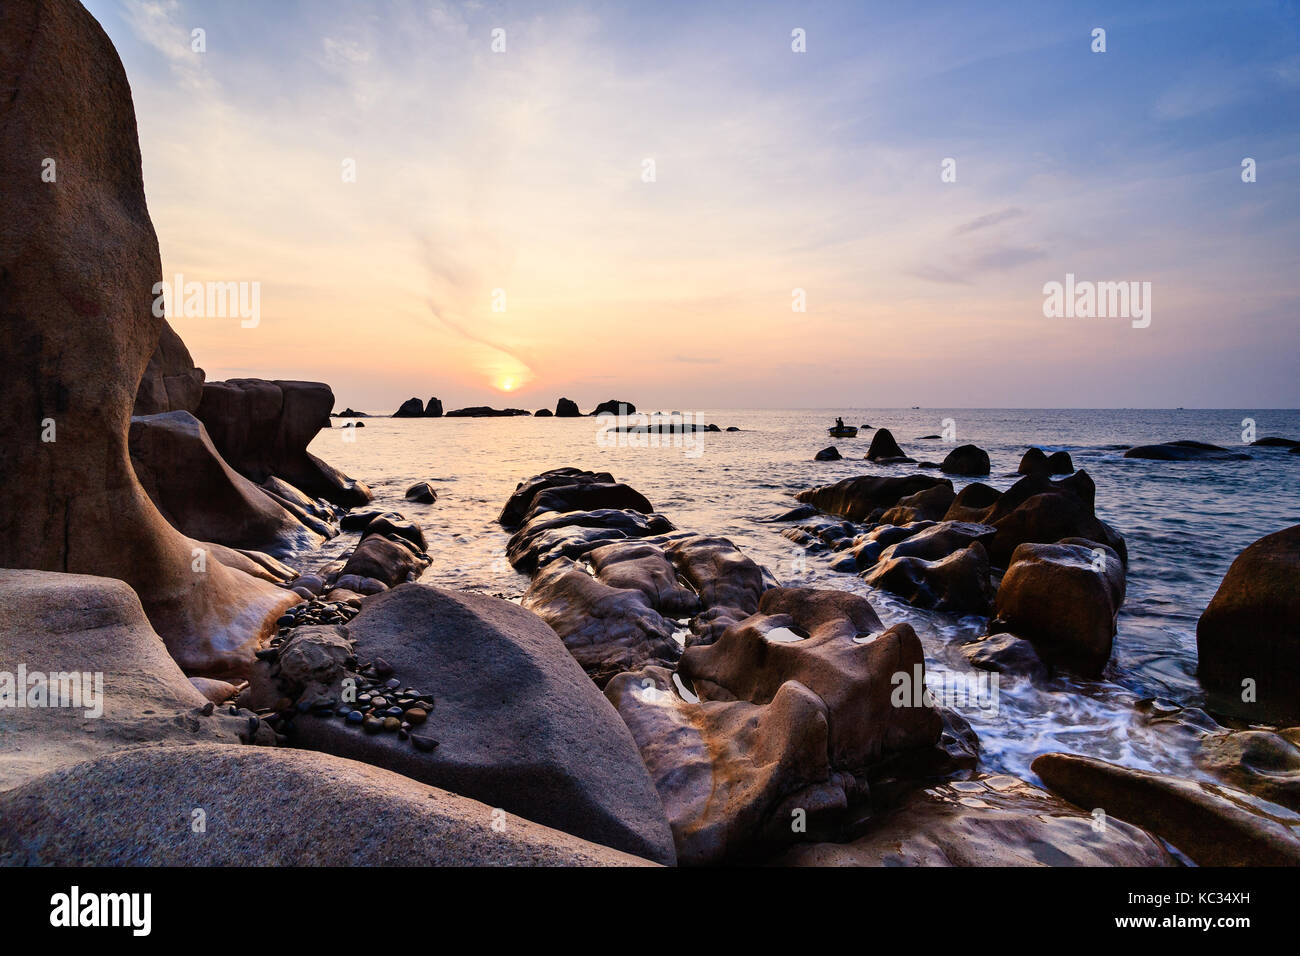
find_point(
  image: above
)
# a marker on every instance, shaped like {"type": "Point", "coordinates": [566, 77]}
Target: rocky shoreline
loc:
{"type": "Point", "coordinates": [656, 697]}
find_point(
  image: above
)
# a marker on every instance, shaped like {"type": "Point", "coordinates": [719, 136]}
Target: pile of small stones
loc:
{"type": "Point", "coordinates": [383, 705]}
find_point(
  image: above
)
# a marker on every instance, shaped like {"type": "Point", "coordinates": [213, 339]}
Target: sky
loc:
{"type": "Point", "coordinates": [630, 199]}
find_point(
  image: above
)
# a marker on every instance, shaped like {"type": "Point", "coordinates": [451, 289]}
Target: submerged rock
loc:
{"type": "Point", "coordinates": [966, 460]}
{"type": "Point", "coordinates": [828, 454]}
{"type": "Point", "coordinates": [1038, 462]}
{"type": "Point", "coordinates": [885, 450]}
{"type": "Point", "coordinates": [1185, 451]}
{"type": "Point", "coordinates": [422, 492]}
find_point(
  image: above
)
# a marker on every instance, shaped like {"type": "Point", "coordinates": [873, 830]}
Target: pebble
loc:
{"type": "Point", "coordinates": [391, 723]}
{"type": "Point", "coordinates": [423, 743]}
{"type": "Point", "coordinates": [355, 717]}
{"type": "Point", "coordinates": [373, 725]}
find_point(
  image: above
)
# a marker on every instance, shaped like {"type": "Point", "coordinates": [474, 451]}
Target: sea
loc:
{"type": "Point", "coordinates": [1183, 524]}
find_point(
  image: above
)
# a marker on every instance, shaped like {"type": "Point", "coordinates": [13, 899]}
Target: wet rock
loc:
{"type": "Point", "coordinates": [313, 664]}
{"type": "Point", "coordinates": [730, 774]}
{"type": "Point", "coordinates": [122, 810]}
{"type": "Point", "coordinates": [1038, 462]}
{"type": "Point", "coordinates": [357, 584]}
{"type": "Point", "coordinates": [644, 567]}
{"type": "Point", "coordinates": [859, 498]}
{"type": "Point", "coordinates": [516, 508]}
{"type": "Point", "coordinates": [938, 540]}
{"type": "Point", "coordinates": [1005, 653]}
{"type": "Point", "coordinates": [884, 449]}
{"type": "Point", "coordinates": [966, 460]}
{"type": "Point", "coordinates": [1036, 510]}
{"type": "Point", "coordinates": [928, 505]}
{"type": "Point", "coordinates": [1185, 451]}
{"type": "Point", "coordinates": [847, 659]}
{"type": "Point", "coordinates": [828, 454]}
{"type": "Point", "coordinates": [989, 820]}
{"type": "Point", "coordinates": [389, 559]}
{"type": "Point", "coordinates": [518, 724]}
{"type": "Point", "coordinates": [1261, 762]}
{"type": "Point", "coordinates": [958, 583]}
{"type": "Point", "coordinates": [391, 523]}
{"type": "Point", "coordinates": [216, 691]}
{"type": "Point", "coordinates": [548, 535]}
{"type": "Point", "coordinates": [422, 492]}
{"type": "Point", "coordinates": [608, 630]}
{"type": "Point", "coordinates": [1251, 629]}
{"type": "Point", "coordinates": [1064, 598]}
{"type": "Point", "coordinates": [728, 582]}
{"type": "Point", "coordinates": [1213, 825]}
{"type": "Point", "coordinates": [1277, 443]}
{"type": "Point", "coordinates": [588, 496]}
{"type": "Point", "coordinates": [800, 513]}
{"type": "Point", "coordinates": [867, 549]}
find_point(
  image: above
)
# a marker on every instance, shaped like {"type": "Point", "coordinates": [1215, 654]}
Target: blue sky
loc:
{"type": "Point", "coordinates": [774, 170]}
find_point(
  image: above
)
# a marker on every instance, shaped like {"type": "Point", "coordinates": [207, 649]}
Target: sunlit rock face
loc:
{"type": "Point", "coordinates": [78, 264]}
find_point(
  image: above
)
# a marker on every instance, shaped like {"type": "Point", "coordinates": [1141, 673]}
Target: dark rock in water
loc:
{"type": "Point", "coordinates": [959, 582]}
{"type": "Point", "coordinates": [1212, 825]}
{"type": "Point", "coordinates": [411, 408]}
{"type": "Point", "coordinates": [389, 559]}
{"type": "Point", "coordinates": [1277, 443]}
{"type": "Point", "coordinates": [171, 383]}
{"type": "Point", "coordinates": [483, 411]}
{"type": "Point", "coordinates": [1037, 510]}
{"type": "Point", "coordinates": [349, 412]}
{"type": "Point", "coordinates": [613, 407]}
{"type": "Point", "coordinates": [551, 534]}
{"type": "Point", "coordinates": [1064, 597]}
{"type": "Point", "coordinates": [732, 428]}
{"type": "Point", "coordinates": [868, 548]}
{"type": "Point", "coordinates": [78, 259]}
{"type": "Point", "coordinates": [353, 425]}
{"type": "Point", "coordinates": [360, 520]}
{"type": "Point", "coordinates": [885, 449]}
{"type": "Point", "coordinates": [518, 724]}
{"type": "Point", "coordinates": [422, 492]}
{"type": "Point", "coordinates": [1185, 451]}
{"type": "Point", "coordinates": [1251, 629]}
{"type": "Point", "coordinates": [858, 498]}
{"type": "Point", "coordinates": [1038, 462]}
{"type": "Point", "coordinates": [988, 820]}
{"type": "Point", "coordinates": [543, 413]}
{"type": "Point", "coordinates": [938, 540]}
{"type": "Point", "coordinates": [828, 454]}
{"type": "Point", "coordinates": [203, 497]}
{"type": "Point", "coordinates": [565, 408]}
{"type": "Point", "coordinates": [727, 580]}
{"type": "Point", "coordinates": [966, 460]}
{"type": "Point", "coordinates": [263, 428]}
{"type": "Point", "coordinates": [391, 523]}
{"type": "Point", "coordinates": [516, 508]}
{"type": "Point", "coordinates": [1006, 654]}
{"type": "Point", "coordinates": [930, 438]}
{"type": "Point", "coordinates": [801, 513]}
{"type": "Point", "coordinates": [712, 428]}
{"type": "Point", "coordinates": [1261, 762]}
{"type": "Point", "coordinates": [644, 567]}
{"type": "Point", "coordinates": [433, 409]}
{"type": "Point", "coordinates": [928, 505]}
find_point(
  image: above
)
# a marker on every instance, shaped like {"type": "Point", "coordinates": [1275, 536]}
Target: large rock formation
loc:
{"type": "Point", "coordinates": [884, 449]}
{"type": "Point", "coordinates": [73, 633]}
{"type": "Point", "coordinates": [868, 496]}
{"type": "Point", "coordinates": [518, 724]}
{"type": "Point", "coordinates": [1214, 826]}
{"type": "Point", "coordinates": [78, 265]}
{"type": "Point", "coordinates": [987, 821]}
{"type": "Point", "coordinates": [567, 408]}
{"type": "Point", "coordinates": [265, 807]}
{"type": "Point", "coordinates": [1064, 598]}
{"type": "Point", "coordinates": [263, 428]}
{"type": "Point", "coordinates": [1251, 629]}
{"type": "Point", "coordinates": [614, 407]}
{"type": "Point", "coordinates": [204, 497]}
{"type": "Point", "coordinates": [171, 383]}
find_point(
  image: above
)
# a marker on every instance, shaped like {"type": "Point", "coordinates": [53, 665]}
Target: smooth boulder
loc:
{"type": "Point", "coordinates": [966, 460]}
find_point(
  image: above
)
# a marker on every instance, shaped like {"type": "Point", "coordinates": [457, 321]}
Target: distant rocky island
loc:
{"type": "Point", "coordinates": [564, 408]}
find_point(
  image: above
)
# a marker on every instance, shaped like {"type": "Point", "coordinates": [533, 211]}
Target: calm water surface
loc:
{"type": "Point", "coordinates": [1183, 522]}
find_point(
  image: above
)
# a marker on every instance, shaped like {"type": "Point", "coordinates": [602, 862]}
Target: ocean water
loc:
{"type": "Point", "coordinates": [1183, 523]}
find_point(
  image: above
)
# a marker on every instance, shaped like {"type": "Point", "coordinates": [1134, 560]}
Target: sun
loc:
{"type": "Point", "coordinates": [507, 384]}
